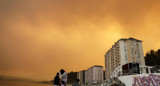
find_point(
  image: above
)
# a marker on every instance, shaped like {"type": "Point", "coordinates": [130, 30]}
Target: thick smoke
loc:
{"type": "Point", "coordinates": [39, 37]}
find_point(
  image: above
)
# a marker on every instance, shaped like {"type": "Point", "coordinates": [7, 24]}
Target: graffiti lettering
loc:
{"type": "Point", "coordinates": [151, 80]}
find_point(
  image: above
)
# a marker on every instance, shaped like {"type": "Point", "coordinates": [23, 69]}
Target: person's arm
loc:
{"type": "Point", "coordinates": [59, 80]}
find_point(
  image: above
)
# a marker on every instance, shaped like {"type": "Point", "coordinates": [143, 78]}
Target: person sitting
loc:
{"type": "Point", "coordinates": [63, 76]}
{"type": "Point", "coordinates": [57, 80]}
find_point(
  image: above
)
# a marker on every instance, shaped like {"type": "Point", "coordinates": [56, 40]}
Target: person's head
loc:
{"type": "Point", "coordinates": [62, 71]}
{"type": "Point", "coordinates": [57, 74]}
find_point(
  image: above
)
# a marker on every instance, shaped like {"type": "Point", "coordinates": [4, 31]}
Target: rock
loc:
{"type": "Point", "coordinates": [116, 82]}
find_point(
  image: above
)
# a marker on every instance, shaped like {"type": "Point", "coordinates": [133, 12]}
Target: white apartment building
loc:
{"type": "Point", "coordinates": [122, 52]}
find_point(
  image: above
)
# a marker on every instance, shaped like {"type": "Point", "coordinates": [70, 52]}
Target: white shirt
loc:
{"type": "Point", "coordinates": [63, 76]}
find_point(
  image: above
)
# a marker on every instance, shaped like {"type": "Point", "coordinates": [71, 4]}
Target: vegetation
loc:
{"type": "Point", "coordinates": [71, 77]}
{"type": "Point", "coordinates": [152, 58]}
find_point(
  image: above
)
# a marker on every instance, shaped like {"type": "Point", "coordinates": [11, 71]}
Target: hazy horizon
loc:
{"type": "Point", "coordinates": [40, 37]}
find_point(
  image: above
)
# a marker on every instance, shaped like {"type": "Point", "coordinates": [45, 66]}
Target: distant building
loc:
{"type": "Point", "coordinates": [81, 77]}
{"type": "Point", "coordinates": [94, 74]}
{"type": "Point", "coordinates": [122, 52]}
{"type": "Point", "coordinates": [104, 78]}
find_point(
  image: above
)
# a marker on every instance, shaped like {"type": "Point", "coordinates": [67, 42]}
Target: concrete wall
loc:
{"type": "Point", "coordinates": [141, 53]}
{"type": "Point", "coordinates": [94, 74]}
{"type": "Point", "coordinates": [122, 52]}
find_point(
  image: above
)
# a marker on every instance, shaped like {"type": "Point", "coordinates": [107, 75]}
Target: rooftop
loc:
{"type": "Point", "coordinates": [97, 66]}
{"type": "Point", "coordinates": [130, 39]}
{"type": "Point", "coordinates": [124, 39]}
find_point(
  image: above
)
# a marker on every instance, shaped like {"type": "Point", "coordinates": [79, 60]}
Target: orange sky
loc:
{"type": "Point", "coordinates": [39, 37]}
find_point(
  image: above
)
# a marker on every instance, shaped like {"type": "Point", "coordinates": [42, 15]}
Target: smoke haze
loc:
{"type": "Point", "coordinates": [39, 37]}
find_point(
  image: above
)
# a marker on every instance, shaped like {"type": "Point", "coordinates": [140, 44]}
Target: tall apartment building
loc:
{"type": "Point", "coordinates": [94, 74]}
{"type": "Point", "coordinates": [122, 52]}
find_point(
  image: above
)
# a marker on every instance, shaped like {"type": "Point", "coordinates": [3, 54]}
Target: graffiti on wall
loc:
{"type": "Point", "coordinates": [151, 80]}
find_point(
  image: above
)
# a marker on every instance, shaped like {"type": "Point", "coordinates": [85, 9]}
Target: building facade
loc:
{"type": "Point", "coordinates": [94, 74]}
{"type": "Point", "coordinates": [122, 52]}
{"type": "Point", "coordinates": [81, 76]}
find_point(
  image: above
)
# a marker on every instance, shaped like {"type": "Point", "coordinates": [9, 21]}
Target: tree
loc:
{"type": "Point", "coordinates": [152, 58]}
{"type": "Point", "coordinates": [71, 77]}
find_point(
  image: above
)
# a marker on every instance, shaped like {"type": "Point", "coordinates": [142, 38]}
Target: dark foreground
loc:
{"type": "Point", "coordinates": [15, 83]}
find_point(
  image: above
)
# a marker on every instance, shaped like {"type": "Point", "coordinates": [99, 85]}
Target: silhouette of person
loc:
{"type": "Point", "coordinates": [77, 83]}
{"type": "Point", "coordinates": [57, 80]}
{"type": "Point", "coordinates": [63, 76]}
